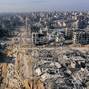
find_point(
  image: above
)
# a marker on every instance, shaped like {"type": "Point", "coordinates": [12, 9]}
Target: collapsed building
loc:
{"type": "Point", "coordinates": [67, 71]}
{"type": "Point", "coordinates": [43, 36]}
{"type": "Point", "coordinates": [47, 36]}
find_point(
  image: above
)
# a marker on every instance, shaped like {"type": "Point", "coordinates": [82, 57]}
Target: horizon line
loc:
{"type": "Point", "coordinates": [44, 11]}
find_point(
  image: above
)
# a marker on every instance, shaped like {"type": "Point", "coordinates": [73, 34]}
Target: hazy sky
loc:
{"type": "Point", "coordinates": [37, 5]}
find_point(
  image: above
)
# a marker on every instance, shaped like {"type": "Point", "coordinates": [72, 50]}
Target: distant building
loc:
{"type": "Point", "coordinates": [38, 38]}
{"type": "Point", "coordinates": [81, 37]}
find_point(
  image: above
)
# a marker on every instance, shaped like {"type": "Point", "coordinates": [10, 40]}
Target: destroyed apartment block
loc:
{"type": "Point", "coordinates": [81, 37]}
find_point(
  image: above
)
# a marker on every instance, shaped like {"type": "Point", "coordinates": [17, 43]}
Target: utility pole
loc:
{"type": "Point", "coordinates": [26, 26]}
{"type": "Point", "coordinates": [28, 31]}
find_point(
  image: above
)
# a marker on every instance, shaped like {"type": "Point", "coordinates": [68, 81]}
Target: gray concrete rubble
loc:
{"type": "Point", "coordinates": [65, 70]}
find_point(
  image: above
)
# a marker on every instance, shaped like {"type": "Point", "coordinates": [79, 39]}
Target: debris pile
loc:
{"type": "Point", "coordinates": [72, 73]}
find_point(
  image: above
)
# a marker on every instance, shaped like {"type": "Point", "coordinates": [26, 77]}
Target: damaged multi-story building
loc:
{"type": "Point", "coordinates": [81, 37]}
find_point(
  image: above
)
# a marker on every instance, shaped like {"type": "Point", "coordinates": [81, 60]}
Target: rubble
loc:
{"type": "Point", "coordinates": [38, 67]}
{"type": "Point", "coordinates": [72, 74]}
